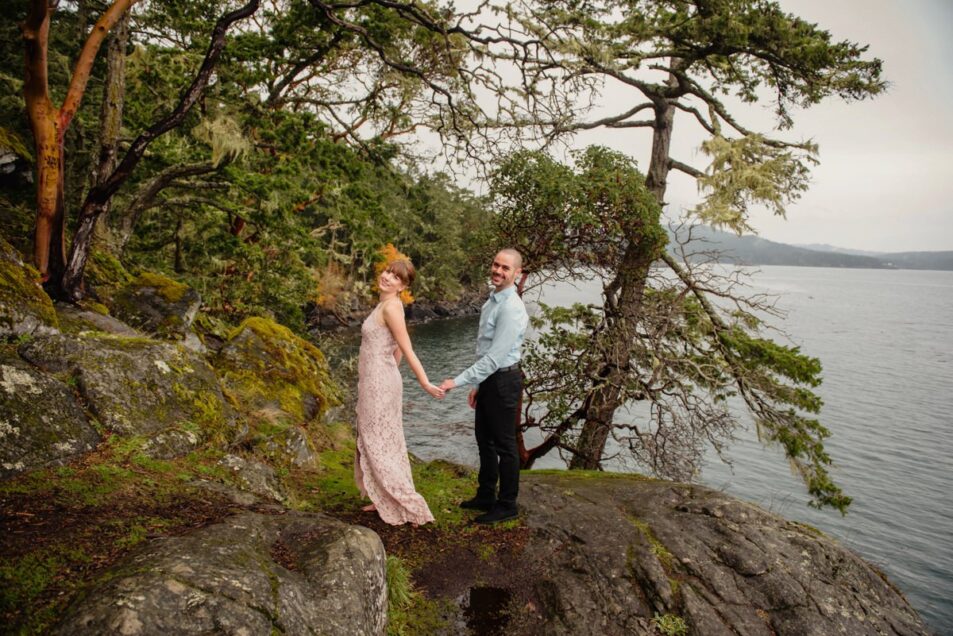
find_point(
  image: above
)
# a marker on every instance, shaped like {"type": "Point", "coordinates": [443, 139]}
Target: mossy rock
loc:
{"type": "Point", "coordinates": [25, 309]}
{"type": "Point", "coordinates": [228, 578]}
{"type": "Point", "coordinates": [158, 305]}
{"type": "Point", "coordinates": [138, 386]}
{"type": "Point", "coordinates": [273, 374]}
{"type": "Point", "coordinates": [106, 275]}
{"type": "Point", "coordinates": [41, 422]}
{"type": "Point", "coordinates": [90, 316]}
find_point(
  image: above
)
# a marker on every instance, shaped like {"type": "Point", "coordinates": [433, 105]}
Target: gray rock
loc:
{"type": "Point", "coordinates": [74, 319]}
{"type": "Point", "coordinates": [138, 386]}
{"type": "Point", "coordinates": [159, 306]}
{"type": "Point", "coordinates": [618, 552]}
{"type": "Point", "coordinates": [40, 420]}
{"type": "Point", "coordinates": [330, 579]}
{"type": "Point", "coordinates": [289, 445]}
{"type": "Point", "coordinates": [255, 477]}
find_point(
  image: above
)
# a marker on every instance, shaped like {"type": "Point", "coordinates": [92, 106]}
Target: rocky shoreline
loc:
{"type": "Point", "coordinates": [424, 310]}
{"type": "Point", "coordinates": [161, 478]}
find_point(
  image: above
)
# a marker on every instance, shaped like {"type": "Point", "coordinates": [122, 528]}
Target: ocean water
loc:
{"type": "Point", "coordinates": [885, 339]}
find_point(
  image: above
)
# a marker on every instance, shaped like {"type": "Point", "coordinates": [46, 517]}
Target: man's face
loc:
{"type": "Point", "coordinates": [504, 271]}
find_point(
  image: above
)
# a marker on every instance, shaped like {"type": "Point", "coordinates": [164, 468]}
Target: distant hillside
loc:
{"type": "Point", "coordinates": [919, 260]}
{"type": "Point", "coordinates": [752, 250]}
{"type": "Point", "coordinates": [824, 247]}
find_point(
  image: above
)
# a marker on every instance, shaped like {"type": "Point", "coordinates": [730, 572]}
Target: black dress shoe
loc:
{"type": "Point", "coordinates": [498, 514]}
{"type": "Point", "coordinates": [478, 504]}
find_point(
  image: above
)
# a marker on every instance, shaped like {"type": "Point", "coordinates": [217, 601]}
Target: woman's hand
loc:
{"type": "Point", "coordinates": [435, 391]}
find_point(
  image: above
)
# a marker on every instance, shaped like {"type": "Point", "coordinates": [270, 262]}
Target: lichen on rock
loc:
{"type": "Point", "coordinates": [294, 573]}
{"type": "Point", "coordinates": [40, 420]}
{"type": "Point", "coordinates": [158, 305]}
{"type": "Point", "coordinates": [138, 386]}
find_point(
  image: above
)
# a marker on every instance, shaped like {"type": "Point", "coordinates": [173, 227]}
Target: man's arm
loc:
{"type": "Point", "coordinates": [510, 323]}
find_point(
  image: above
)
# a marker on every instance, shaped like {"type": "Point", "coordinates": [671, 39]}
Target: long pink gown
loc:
{"type": "Point", "coordinates": [381, 468]}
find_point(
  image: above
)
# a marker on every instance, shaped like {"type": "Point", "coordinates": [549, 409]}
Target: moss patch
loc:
{"type": "Point", "coordinates": [267, 368]}
{"type": "Point", "coordinates": [20, 289]}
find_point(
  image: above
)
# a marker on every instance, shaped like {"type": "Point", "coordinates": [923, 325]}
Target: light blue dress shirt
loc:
{"type": "Point", "coordinates": [503, 321]}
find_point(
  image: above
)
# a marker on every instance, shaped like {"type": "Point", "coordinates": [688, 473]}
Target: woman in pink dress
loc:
{"type": "Point", "coordinates": [381, 467]}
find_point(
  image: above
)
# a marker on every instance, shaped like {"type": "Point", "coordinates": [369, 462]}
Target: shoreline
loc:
{"type": "Point", "coordinates": [420, 311]}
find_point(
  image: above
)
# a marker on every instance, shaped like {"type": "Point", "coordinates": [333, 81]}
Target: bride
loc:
{"type": "Point", "coordinates": [381, 466]}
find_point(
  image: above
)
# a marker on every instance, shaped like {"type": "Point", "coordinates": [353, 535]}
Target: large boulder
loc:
{"type": "Point", "coordinates": [159, 306]}
{"type": "Point", "coordinates": [252, 574]}
{"type": "Point", "coordinates": [40, 420]}
{"type": "Point", "coordinates": [25, 309]}
{"type": "Point", "coordinates": [138, 386]}
{"type": "Point", "coordinates": [274, 375]}
{"type": "Point", "coordinates": [623, 555]}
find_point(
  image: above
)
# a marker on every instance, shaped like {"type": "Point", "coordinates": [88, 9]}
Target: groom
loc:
{"type": "Point", "coordinates": [499, 382]}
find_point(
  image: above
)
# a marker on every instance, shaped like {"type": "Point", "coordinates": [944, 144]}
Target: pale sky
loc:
{"type": "Point", "coordinates": [885, 182]}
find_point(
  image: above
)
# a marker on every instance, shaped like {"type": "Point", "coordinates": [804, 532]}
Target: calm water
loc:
{"type": "Point", "coordinates": [886, 341]}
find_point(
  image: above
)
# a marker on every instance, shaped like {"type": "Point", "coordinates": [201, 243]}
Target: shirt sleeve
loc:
{"type": "Point", "coordinates": [510, 324]}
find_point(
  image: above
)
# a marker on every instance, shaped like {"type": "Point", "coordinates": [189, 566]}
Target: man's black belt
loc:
{"type": "Point", "coordinates": [512, 367]}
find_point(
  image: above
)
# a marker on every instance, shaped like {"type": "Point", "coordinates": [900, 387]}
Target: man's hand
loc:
{"type": "Point", "coordinates": [471, 399]}
{"type": "Point", "coordinates": [447, 384]}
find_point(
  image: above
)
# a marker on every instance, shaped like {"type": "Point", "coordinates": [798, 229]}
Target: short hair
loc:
{"type": "Point", "coordinates": [403, 269]}
{"type": "Point", "coordinates": [517, 257]}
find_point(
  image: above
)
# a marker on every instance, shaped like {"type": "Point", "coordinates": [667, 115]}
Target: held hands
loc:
{"type": "Point", "coordinates": [435, 391]}
{"type": "Point", "coordinates": [447, 384]}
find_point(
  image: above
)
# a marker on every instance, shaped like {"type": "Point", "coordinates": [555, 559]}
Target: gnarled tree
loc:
{"type": "Point", "coordinates": [678, 61]}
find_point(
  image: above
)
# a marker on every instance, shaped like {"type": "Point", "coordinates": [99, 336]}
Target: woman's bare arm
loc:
{"type": "Point", "coordinates": [394, 319]}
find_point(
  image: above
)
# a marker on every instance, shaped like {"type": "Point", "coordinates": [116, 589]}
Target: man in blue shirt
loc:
{"type": "Point", "coordinates": [499, 382]}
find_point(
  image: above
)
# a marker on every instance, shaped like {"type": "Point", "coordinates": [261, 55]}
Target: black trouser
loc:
{"type": "Point", "coordinates": [497, 403]}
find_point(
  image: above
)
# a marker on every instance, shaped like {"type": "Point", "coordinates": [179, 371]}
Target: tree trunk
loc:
{"type": "Point", "coordinates": [99, 197]}
{"type": "Point", "coordinates": [49, 125]}
{"type": "Point", "coordinates": [622, 316]}
{"type": "Point", "coordinates": [606, 398]}
{"type": "Point", "coordinates": [110, 124]}
{"type": "Point", "coordinates": [49, 248]}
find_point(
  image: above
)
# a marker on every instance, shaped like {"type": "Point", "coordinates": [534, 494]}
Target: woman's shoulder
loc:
{"type": "Point", "coordinates": [392, 308]}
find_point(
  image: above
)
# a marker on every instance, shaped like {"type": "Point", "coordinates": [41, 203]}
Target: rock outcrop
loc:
{"type": "Point", "coordinates": [40, 421]}
{"type": "Point", "coordinates": [159, 306]}
{"type": "Point", "coordinates": [623, 555]}
{"type": "Point", "coordinates": [138, 386]}
{"type": "Point", "coordinates": [253, 574]}
{"type": "Point", "coordinates": [279, 376]}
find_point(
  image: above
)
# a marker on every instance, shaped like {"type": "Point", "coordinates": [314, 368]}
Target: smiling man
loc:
{"type": "Point", "coordinates": [499, 382]}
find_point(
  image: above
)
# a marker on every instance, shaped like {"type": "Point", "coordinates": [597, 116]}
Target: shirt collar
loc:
{"type": "Point", "coordinates": [500, 296]}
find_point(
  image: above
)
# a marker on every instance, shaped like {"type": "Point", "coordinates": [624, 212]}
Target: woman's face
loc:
{"type": "Point", "coordinates": [389, 281]}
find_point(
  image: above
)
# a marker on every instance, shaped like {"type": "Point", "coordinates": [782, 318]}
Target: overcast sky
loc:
{"type": "Point", "coordinates": [885, 182]}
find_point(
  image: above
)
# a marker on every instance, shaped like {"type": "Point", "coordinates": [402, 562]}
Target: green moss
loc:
{"type": "Point", "coordinates": [19, 287]}
{"type": "Point", "coordinates": [276, 369]}
{"type": "Point", "coordinates": [98, 308]}
{"type": "Point", "coordinates": [658, 548]}
{"type": "Point", "coordinates": [587, 475]}
{"type": "Point", "coordinates": [104, 269]}
{"type": "Point", "coordinates": [409, 611]}
{"type": "Point", "coordinates": [172, 291]}
{"type": "Point", "coordinates": [670, 624]}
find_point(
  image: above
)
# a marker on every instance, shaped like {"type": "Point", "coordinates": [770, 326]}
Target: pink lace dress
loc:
{"type": "Point", "coordinates": [381, 467]}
